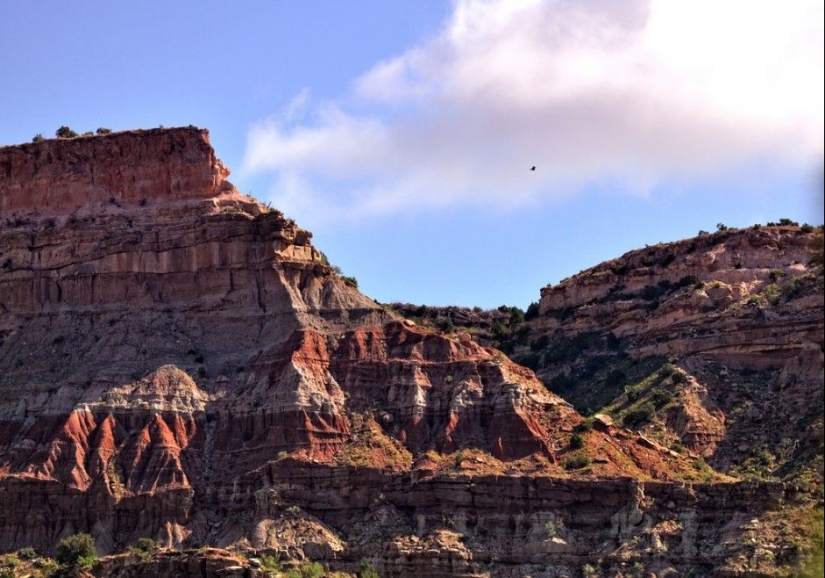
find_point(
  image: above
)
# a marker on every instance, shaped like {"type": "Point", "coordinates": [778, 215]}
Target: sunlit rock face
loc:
{"type": "Point", "coordinates": [164, 335]}
{"type": "Point", "coordinates": [179, 361]}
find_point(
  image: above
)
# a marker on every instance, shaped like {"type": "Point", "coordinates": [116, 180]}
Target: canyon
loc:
{"type": "Point", "coordinates": [179, 361]}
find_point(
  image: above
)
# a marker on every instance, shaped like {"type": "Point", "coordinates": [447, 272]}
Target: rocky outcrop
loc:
{"type": "Point", "coordinates": [163, 334]}
{"type": "Point", "coordinates": [179, 361]}
{"type": "Point", "coordinates": [738, 312]}
{"type": "Point", "coordinates": [67, 176]}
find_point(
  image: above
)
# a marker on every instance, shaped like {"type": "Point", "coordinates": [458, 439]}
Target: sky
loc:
{"type": "Point", "coordinates": [402, 134]}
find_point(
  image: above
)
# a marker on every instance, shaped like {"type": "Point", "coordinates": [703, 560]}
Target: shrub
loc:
{"type": "Point", "coordinates": [500, 331]}
{"type": "Point", "coordinates": [667, 370]}
{"type": "Point", "coordinates": [516, 316]}
{"type": "Point", "coordinates": [576, 441]}
{"type": "Point", "coordinates": [272, 563]}
{"type": "Point", "coordinates": [679, 377]}
{"type": "Point", "coordinates": [791, 288]}
{"type": "Point", "coordinates": [772, 294]}
{"type": "Point", "coordinates": [662, 397]}
{"type": "Point", "coordinates": [577, 462]}
{"type": "Point", "coordinates": [639, 415]}
{"type": "Point", "coordinates": [366, 570]}
{"type": "Point", "coordinates": [667, 259]}
{"type": "Point", "coordinates": [103, 130]}
{"type": "Point", "coordinates": [651, 292]}
{"type": "Point", "coordinates": [532, 311]}
{"type": "Point", "coordinates": [589, 571]}
{"type": "Point", "coordinates": [27, 553]}
{"type": "Point", "coordinates": [776, 274]}
{"type": "Point", "coordinates": [145, 545]}
{"type": "Point", "coordinates": [633, 393]}
{"type": "Point", "coordinates": [77, 550]}
{"type": "Point", "coordinates": [314, 570]}
{"type": "Point", "coordinates": [65, 132]}
{"type": "Point", "coordinates": [38, 137]}
{"type": "Point", "coordinates": [446, 325]}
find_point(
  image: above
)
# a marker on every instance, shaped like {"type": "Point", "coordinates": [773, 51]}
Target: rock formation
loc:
{"type": "Point", "coordinates": [178, 361]}
{"type": "Point", "coordinates": [738, 312]}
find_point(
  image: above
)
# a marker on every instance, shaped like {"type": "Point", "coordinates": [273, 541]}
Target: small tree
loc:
{"type": "Point", "coordinates": [532, 311]}
{"type": "Point", "coordinates": [77, 550]}
{"type": "Point", "coordinates": [65, 132]}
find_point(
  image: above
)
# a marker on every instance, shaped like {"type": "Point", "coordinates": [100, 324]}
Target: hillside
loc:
{"type": "Point", "coordinates": [178, 361]}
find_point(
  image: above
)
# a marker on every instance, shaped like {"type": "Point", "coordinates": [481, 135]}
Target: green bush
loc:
{"type": "Point", "coordinates": [577, 462]}
{"type": "Point", "coordinates": [633, 392]}
{"type": "Point", "coordinates": [576, 441]}
{"type": "Point", "coordinates": [366, 570]}
{"type": "Point", "coordinates": [313, 570]}
{"type": "Point", "coordinates": [145, 545]}
{"type": "Point", "coordinates": [772, 294]}
{"type": "Point", "coordinates": [791, 288]}
{"type": "Point", "coordinates": [639, 415]}
{"type": "Point", "coordinates": [77, 550]}
{"type": "Point", "coordinates": [662, 397]}
{"type": "Point", "coordinates": [272, 563]}
{"type": "Point", "coordinates": [679, 377]}
{"type": "Point", "coordinates": [27, 553]}
{"type": "Point", "coordinates": [446, 325]}
{"type": "Point", "coordinates": [65, 132]}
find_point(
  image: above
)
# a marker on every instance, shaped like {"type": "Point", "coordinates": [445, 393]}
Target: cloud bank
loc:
{"type": "Point", "coordinates": [628, 93]}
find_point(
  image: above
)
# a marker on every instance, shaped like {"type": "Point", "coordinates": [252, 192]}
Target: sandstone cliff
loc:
{"type": "Point", "coordinates": [178, 361]}
{"type": "Point", "coordinates": [734, 319]}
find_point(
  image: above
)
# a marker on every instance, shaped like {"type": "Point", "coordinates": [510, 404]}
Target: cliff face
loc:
{"type": "Point", "coordinates": [735, 319]}
{"type": "Point", "coordinates": [64, 176]}
{"type": "Point", "coordinates": [178, 361]}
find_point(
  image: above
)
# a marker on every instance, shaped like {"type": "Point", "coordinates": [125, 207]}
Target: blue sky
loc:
{"type": "Point", "coordinates": [402, 133]}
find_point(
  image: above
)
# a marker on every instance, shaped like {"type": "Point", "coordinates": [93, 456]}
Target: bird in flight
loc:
{"type": "Point", "coordinates": [533, 168]}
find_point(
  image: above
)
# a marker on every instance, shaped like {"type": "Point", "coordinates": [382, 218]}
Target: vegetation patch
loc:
{"type": "Point", "coordinates": [577, 462]}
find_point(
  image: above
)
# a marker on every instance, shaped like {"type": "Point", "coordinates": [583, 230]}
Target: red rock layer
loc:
{"type": "Point", "coordinates": [172, 352]}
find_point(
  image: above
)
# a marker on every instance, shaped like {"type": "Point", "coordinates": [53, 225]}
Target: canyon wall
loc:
{"type": "Point", "coordinates": [179, 361]}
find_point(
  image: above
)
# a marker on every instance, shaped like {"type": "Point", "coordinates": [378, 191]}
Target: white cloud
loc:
{"type": "Point", "coordinates": [627, 91]}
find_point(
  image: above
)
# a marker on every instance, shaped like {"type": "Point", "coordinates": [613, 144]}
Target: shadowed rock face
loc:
{"type": "Point", "coordinates": [178, 361]}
